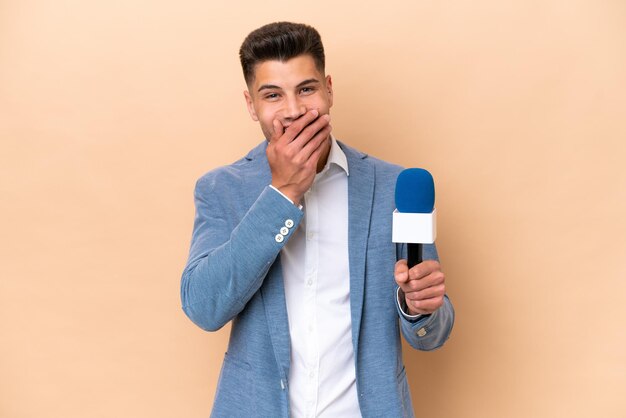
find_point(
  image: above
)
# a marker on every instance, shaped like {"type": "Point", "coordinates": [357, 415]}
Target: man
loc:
{"type": "Point", "coordinates": [293, 244]}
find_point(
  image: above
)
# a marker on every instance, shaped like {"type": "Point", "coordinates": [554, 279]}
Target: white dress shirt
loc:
{"type": "Point", "coordinates": [322, 380]}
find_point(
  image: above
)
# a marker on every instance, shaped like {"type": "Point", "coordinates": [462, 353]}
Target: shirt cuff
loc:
{"type": "Point", "coordinates": [283, 195]}
{"type": "Point", "coordinates": [403, 308]}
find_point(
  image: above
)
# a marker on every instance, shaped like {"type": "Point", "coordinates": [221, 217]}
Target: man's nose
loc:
{"type": "Point", "coordinates": [293, 109]}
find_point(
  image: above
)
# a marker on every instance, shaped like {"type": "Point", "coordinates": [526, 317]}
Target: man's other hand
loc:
{"type": "Point", "coordinates": [293, 153]}
{"type": "Point", "coordinates": [423, 286]}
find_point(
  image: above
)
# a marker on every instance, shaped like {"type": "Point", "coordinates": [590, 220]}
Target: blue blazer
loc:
{"type": "Point", "coordinates": [234, 273]}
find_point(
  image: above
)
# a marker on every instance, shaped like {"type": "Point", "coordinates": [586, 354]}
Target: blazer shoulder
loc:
{"type": "Point", "coordinates": [383, 168]}
{"type": "Point", "coordinates": [386, 168]}
{"type": "Point", "coordinates": [233, 174]}
{"type": "Point", "coordinates": [225, 176]}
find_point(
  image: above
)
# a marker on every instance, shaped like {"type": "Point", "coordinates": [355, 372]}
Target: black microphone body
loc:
{"type": "Point", "coordinates": [414, 254]}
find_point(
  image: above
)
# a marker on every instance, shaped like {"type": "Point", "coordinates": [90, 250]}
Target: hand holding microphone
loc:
{"type": "Point", "coordinates": [423, 286]}
{"type": "Point", "coordinates": [422, 283]}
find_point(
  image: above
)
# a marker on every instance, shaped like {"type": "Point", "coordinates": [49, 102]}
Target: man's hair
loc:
{"type": "Point", "coordinates": [280, 41]}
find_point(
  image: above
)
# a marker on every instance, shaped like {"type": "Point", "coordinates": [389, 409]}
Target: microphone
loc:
{"type": "Point", "coordinates": [415, 217]}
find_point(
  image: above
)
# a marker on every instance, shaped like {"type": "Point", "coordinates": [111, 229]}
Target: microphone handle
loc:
{"type": "Point", "coordinates": [414, 252]}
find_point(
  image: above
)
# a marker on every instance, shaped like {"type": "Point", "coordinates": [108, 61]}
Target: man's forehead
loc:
{"type": "Point", "coordinates": [286, 73]}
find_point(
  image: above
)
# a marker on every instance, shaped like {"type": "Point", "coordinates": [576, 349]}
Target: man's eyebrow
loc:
{"type": "Point", "coordinates": [275, 87]}
{"type": "Point", "coordinates": [308, 81]}
{"type": "Point", "coordinates": [268, 87]}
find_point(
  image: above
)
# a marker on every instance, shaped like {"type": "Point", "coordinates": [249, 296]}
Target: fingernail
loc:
{"type": "Point", "coordinates": [326, 117]}
{"type": "Point", "coordinates": [315, 112]}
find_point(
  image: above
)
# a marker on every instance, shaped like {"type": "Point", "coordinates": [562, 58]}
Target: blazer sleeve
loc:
{"type": "Point", "coordinates": [227, 261]}
{"type": "Point", "coordinates": [428, 332]}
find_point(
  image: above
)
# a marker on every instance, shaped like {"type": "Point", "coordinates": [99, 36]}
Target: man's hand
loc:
{"type": "Point", "coordinates": [293, 154]}
{"type": "Point", "coordinates": [423, 286]}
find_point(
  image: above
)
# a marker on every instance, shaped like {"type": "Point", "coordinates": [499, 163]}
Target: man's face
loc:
{"type": "Point", "coordinates": [287, 90]}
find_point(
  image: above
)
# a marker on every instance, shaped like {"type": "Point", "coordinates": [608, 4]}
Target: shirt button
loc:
{"type": "Point", "coordinates": [309, 282]}
{"type": "Point", "coordinates": [279, 238]}
{"type": "Point", "coordinates": [289, 223]}
{"type": "Point", "coordinates": [312, 375]}
{"type": "Point", "coordinates": [284, 230]}
{"type": "Point", "coordinates": [310, 235]}
{"type": "Point", "coordinates": [421, 332]}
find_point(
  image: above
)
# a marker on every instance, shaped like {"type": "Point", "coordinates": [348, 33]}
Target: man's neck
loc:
{"type": "Point", "coordinates": [321, 163]}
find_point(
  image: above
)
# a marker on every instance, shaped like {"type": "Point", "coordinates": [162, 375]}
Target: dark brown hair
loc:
{"type": "Point", "coordinates": [280, 41]}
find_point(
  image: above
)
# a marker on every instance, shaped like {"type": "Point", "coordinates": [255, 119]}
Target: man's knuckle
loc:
{"type": "Point", "coordinates": [298, 160]}
{"type": "Point", "coordinates": [289, 152]}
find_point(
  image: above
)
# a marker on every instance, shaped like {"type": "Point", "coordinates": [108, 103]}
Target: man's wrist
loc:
{"type": "Point", "coordinates": [292, 201]}
{"type": "Point", "coordinates": [404, 309]}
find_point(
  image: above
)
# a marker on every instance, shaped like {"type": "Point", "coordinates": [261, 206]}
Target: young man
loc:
{"type": "Point", "coordinates": [293, 244]}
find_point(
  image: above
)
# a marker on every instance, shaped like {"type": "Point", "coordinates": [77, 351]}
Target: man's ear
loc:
{"type": "Point", "coordinates": [250, 106]}
{"type": "Point", "coordinates": [329, 89]}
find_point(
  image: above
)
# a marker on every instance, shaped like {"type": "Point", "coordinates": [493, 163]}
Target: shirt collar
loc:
{"type": "Point", "coordinates": [336, 156]}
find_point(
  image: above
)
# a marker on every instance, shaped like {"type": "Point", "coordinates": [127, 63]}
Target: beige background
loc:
{"type": "Point", "coordinates": [110, 110]}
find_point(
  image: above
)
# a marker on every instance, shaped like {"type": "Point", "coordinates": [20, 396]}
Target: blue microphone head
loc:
{"type": "Point", "coordinates": [415, 191]}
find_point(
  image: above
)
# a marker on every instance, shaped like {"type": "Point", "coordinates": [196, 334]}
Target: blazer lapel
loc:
{"type": "Point", "coordinates": [273, 288]}
{"type": "Point", "coordinates": [360, 198]}
{"type": "Point", "coordinates": [273, 294]}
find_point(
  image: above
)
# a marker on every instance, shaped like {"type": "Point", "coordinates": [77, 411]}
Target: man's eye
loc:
{"type": "Point", "coordinates": [271, 96]}
{"type": "Point", "coordinates": [306, 90]}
